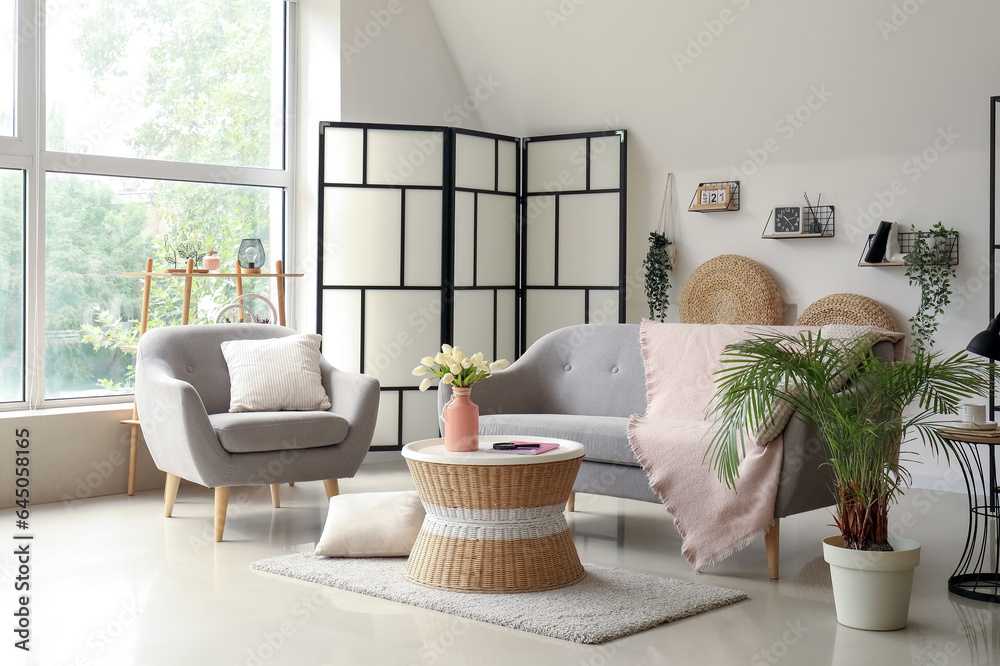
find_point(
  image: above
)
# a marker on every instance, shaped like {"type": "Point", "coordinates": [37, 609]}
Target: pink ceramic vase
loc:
{"type": "Point", "coordinates": [461, 421]}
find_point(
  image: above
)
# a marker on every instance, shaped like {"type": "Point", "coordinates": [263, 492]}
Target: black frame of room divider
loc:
{"type": "Point", "coordinates": [476, 192]}
{"type": "Point", "coordinates": [449, 189]}
{"type": "Point", "coordinates": [621, 190]}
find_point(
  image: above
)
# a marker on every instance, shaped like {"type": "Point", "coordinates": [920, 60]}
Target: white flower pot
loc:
{"type": "Point", "coordinates": [872, 589]}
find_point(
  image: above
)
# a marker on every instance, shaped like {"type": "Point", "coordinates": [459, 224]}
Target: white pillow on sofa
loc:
{"type": "Point", "coordinates": [275, 374]}
{"type": "Point", "coordinates": [371, 525]}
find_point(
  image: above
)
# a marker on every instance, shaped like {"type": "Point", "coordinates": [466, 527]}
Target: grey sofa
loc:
{"type": "Point", "coordinates": [182, 394]}
{"type": "Point", "coordinates": [584, 382]}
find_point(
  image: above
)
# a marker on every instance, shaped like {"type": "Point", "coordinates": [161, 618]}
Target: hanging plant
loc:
{"type": "Point", "coordinates": [928, 265]}
{"type": "Point", "coordinates": [657, 265]}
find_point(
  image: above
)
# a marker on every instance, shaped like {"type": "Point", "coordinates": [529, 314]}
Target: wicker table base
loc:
{"type": "Point", "coordinates": [495, 528]}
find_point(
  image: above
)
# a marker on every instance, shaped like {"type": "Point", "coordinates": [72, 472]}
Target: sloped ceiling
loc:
{"type": "Point", "coordinates": [701, 82]}
{"type": "Point", "coordinates": [396, 68]}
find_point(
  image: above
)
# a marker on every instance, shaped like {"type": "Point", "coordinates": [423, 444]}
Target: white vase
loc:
{"type": "Point", "coordinates": [871, 589]}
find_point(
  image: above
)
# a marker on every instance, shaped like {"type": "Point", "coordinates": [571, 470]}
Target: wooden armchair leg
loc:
{"type": "Point", "coordinates": [332, 487]}
{"type": "Point", "coordinates": [571, 502]}
{"type": "Point", "coordinates": [276, 495]}
{"type": "Point", "coordinates": [221, 504]}
{"type": "Point", "coordinates": [170, 494]}
{"type": "Point", "coordinates": [133, 451]}
{"type": "Point", "coordinates": [771, 546]}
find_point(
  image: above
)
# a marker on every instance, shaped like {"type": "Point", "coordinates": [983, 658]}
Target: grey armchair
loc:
{"type": "Point", "coordinates": [182, 394]}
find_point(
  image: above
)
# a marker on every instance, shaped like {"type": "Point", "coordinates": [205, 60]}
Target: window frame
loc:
{"type": "Point", "coordinates": [26, 151]}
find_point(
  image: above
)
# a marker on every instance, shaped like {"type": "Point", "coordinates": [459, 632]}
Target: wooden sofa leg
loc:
{"type": "Point", "coordinates": [771, 546]}
{"type": "Point", "coordinates": [332, 487]}
{"type": "Point", "coordinates": [221, 504]}
{"type": "Point", "coordinates": [571, 502]}
{"type": "Point", "coordinates": [276, 495]}
{"type": "Point", "coordinates": [170, 494]}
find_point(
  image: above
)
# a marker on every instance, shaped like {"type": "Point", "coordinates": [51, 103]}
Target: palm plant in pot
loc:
{"type": "Point", "coordinates": [863, 407]}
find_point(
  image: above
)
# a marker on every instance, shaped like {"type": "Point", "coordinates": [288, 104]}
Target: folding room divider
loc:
{"type": "Point", "coordinates": [437, 234]}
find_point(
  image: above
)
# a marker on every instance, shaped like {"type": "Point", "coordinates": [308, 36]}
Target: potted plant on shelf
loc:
{"type": "Point", "coordinates": [864, 407]}
{"type": "Point", "coordinates": [929, 266]}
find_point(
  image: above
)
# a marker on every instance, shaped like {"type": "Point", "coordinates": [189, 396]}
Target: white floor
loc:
{"type": "Point", "coordinates": [113, 582]}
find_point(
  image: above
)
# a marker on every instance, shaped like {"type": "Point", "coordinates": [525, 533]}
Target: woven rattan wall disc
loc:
{"type": "Point", "coordinates": [731, 289]}
{"type": "Point", "coordinates": [847, 309]}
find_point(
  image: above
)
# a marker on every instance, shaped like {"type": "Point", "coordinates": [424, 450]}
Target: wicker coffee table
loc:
{"type": "Point", "coordinates": [494, 521]}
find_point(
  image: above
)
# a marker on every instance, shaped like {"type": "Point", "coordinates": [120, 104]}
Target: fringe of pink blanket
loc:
{"type": "Point", "coordinates": [670, 441]}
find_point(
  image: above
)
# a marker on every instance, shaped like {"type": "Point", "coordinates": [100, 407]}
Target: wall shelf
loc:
{"type": "Point", "coordinates": [731, 204]}
{"type": "Point", "coordinates": [906, 239]}
{"type": "Point", "coordinates": [819, 220]}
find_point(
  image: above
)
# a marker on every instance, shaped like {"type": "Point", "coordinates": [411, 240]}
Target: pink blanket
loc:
{"type": "Point", "coordinates": [670, 442]}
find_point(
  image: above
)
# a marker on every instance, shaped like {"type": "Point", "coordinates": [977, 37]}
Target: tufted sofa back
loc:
{"type": "Point", "coordinates": [194, 354]}
{"type": "Point", "coordinates": [591, 369]}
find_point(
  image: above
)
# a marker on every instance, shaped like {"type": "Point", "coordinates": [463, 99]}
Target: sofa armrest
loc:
{"type": "Point", "coordinates": [805, 482]}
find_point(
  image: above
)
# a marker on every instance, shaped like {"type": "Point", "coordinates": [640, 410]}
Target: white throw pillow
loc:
{"type": "Point", "coordinates": [275, 374]}
{"type": "Point", "coordinates": [371, 525]}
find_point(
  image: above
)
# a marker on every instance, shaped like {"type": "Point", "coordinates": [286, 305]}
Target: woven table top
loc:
{"type": "Point", "coordinates": [433, 451]}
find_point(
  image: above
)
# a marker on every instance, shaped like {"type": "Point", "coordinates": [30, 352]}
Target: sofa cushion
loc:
{"type": "Point", "coordinates": [603, 437]}
{"type": "Point", "coordinates": [250, 432]}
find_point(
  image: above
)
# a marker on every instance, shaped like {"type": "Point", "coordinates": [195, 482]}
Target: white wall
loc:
{"type": "Point", "coordinates": [75, 453]}
{"type": "Point", "coordinates": [881, 94]}
{"type": "Point", "coordinates": [319, 100]}
{"type": "Point", "coordinates": [396, 67]}
{"type": "Point", "coordinates": [391, 65]}
{"type": "Point", "coordinates": [852, 99]}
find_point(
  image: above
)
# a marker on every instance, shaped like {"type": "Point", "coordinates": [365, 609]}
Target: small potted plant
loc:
{"type": "Point", "coordinates": [460, 415]}
{"type": "Point", "coordinates": [864, 407]}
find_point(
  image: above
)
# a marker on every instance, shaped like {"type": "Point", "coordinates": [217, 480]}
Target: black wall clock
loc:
{"type": "Point", "coordinates": [787, 220]}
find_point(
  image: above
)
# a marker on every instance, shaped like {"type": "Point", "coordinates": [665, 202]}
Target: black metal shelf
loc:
{"type": "Point", "coordinates": [906, 240]}
{"type": "Point", "coordinates": [734, 197]}
{"type": "Point", "coordinates": [820, 220]}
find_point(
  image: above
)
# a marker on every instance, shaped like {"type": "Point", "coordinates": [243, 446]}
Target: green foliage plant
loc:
{"type": "Point", "coordinates": [862, 425]}
{"type": "Point", "coordinates": [658, 267]}
{"type": "Point", "coordinates": [928, 265]}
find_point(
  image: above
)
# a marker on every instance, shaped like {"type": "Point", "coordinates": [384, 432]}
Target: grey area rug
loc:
{"type": "Point", "coordinates": [607, 604]}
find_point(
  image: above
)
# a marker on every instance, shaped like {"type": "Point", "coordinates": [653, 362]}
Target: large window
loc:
{"type": "Point", "coordinates": [12, 289]}
{"type": "Point", "coordinates": [163, 127]}
{"type": "Point", "coordinates": [191, 81]}
{"type": "Point", "coordinates": [8, 58]}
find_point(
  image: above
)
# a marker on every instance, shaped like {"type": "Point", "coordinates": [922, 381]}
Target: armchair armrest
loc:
{"type": "Point", "coordinates": [353, 396]}
{"type": "Point", "coordinates": [175, 425]}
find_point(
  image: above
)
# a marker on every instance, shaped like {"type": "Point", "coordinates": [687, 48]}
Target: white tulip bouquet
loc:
{"type": "Point", "coordinates": [455, 368]}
